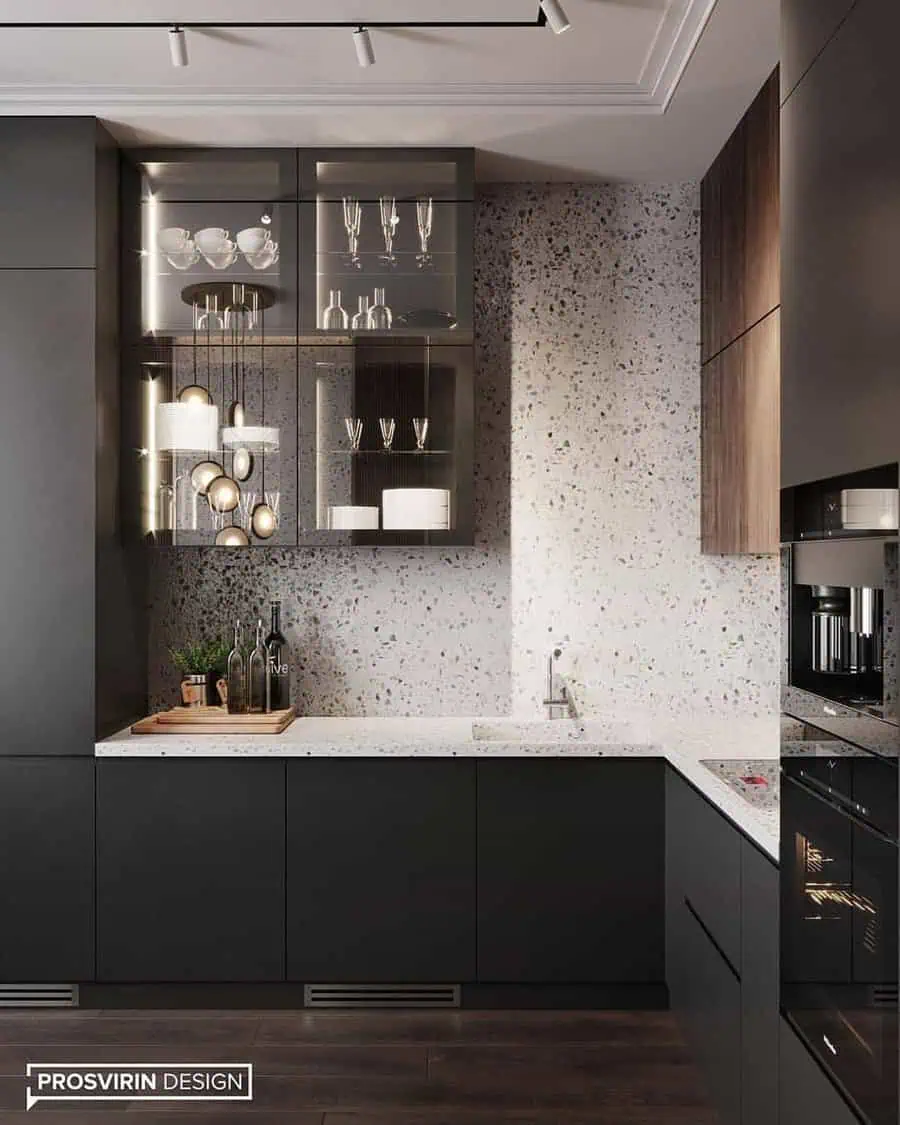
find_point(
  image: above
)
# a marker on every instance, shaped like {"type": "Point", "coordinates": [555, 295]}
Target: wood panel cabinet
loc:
{"type": "Point", "coordinates": [190, 870]}
{"type": "Point", "coordinates": [570, 871]}
{"type": "Point", "coordinates": [740, 394]}
{"type": "Point", "coordinates": [740, 348]}
{"type": "Point", "coordinates": [47, 870]}
{"type": "Point", "coordinates": [381, 870]}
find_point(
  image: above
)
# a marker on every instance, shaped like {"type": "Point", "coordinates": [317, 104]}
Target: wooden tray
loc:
{"type": "Point", "coordinates": [213, 720]}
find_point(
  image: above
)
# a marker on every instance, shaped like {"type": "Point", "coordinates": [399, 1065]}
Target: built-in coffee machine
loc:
{"type": "Point", "coordinates": [842, 574]}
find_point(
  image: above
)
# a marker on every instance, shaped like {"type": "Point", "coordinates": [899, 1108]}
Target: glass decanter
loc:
{"type": "Point", "coordinates": [360, 320]}
{"type": "Point", "coordinates": [335, 317]}
{"type": "Point", "coordinates": [380, 316]}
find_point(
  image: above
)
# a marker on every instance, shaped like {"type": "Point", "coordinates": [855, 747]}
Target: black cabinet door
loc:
{"type": "Point", "coordinates": [46, 870]}
{"type": "Point", "coordinates": [806, 1097]}
{"type": "Point", "coordinates": [381, 870]}
{"type": "Point", "coordinates": [47, 427]}
{"type": "Point", "coordinates": [705, 994]}
{"type": "Point", "coordinates": [840, 249]}
{"type": "Point", "coordinates": [190, 870]}
{"type": "Point", "coordinates": [570, 870]}
{"type": "Point", "coordinates": [759, 987]}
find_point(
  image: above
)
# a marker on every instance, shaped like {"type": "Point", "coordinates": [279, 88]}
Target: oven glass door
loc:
{"type": "Point", "coordinates": [839, 922]}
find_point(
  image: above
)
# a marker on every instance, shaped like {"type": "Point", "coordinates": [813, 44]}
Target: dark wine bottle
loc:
{"type": "Point", "coordinates": [278, 670]}
{"type": "Point", "coordinates": [256, 674]}
{"type": "Point", "coordinates": [237, 684]}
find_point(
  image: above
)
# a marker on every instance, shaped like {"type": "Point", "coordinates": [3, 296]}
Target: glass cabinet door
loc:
{"type": "Point", "coordinates": [216, 229]}
{"type": "Point", "coordinates": [385, 448]}
{"type": "Point", "coordinates": [392, 239]}
{"type": "Point", "coordinates": [219, 457]}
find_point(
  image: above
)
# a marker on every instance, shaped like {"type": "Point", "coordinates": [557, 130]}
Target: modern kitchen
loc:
{"type": "Point", "coordinates": [453, 485]}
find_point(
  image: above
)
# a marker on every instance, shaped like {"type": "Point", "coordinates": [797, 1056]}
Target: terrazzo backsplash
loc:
{"type": "Point", "coordinates": [587, 473]}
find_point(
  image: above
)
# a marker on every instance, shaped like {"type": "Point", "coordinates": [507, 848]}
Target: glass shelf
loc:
{"type": "Point", "coordinates": [389, 452]}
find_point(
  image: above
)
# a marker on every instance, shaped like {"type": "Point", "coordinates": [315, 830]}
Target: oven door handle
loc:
{"type": "Point", "coordinates": [842, 805]}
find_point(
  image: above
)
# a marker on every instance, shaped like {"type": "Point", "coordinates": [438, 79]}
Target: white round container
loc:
{"type": "Point", "coordinates": [416, 509]}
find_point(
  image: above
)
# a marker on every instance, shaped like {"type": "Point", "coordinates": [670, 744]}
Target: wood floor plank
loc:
{"type": "Point", "coordinates": [173, 1030]}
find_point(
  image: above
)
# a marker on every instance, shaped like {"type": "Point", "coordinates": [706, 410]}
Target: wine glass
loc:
{"type": "Point", "coordinates": [420, 429]}
{"type": "Point", "coordinates": [354, 427]}
{"type": "Point", "coordinates": [388, 429]}
{"type": "Point", "coordinates": [424, 219]}
{"type": "Point", "coordinates": [389, 221]}
{"type": "Point", "coordinates": [352, 225]}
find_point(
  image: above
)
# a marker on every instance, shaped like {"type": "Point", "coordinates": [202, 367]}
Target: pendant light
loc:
{"type": "Point", "coordinates": [263, 520]}
{"type": "Point", "coordinates": [191, 423]}
{"type": "Point", "coordinates": [232, 536]}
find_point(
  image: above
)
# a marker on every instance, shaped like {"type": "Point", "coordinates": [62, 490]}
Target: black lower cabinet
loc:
{"type": "Point", "coordinates": [722, 955]}
{"type": "Point", "coordinates": [807, 1097]}
{"type": "Point", "coordinates": [570, 871]}
{"type": "Point", "coordinates": [46, 870]}
{"type": "Point", "coordinates": [381, 870]}
{"type": "Point", "coordinates": [190, 870]}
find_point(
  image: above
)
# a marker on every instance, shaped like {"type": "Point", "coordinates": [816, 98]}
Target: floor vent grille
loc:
{"type": "Point", "coordinates": [38, 995]}
{"type": "Point", "coordinates": [381, 995]}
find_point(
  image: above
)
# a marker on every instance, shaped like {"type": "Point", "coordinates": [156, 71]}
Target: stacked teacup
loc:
{"type": "Point", "coordinates": [256, 244]}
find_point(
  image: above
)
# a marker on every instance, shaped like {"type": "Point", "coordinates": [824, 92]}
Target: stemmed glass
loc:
{"type": "Point", "coordinates": [389, 221]}
{"type": "Point", "coordinates": [352, 225]}
{"type": "Point", "coordinates": [354, 428]}
{"type": "Point", "coordinates": [388, 429]}
{"type": "Point", "coordinates": [420, 429]}
{"type": "Point", "coordinates": [424, 218]}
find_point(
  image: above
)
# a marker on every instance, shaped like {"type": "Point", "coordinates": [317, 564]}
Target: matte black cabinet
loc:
{"type": "Point", "coordinates": [806, 1094]}
{"type": "Point", "coordinates": [840, 248]}
{"type": "Point", "coordinates": [722, 954]}
{"type": "Point", "coordinates": [381, 870]}
{"type": "Point", "coordinates": [570, 871]}
{"type": "Point", "coordinates": [46, 870]}
{"type": "Point", "coordinates": [190, 870]}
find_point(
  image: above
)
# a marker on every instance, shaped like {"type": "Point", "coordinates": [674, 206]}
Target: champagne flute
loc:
{"type": "Point", "coordinates": [389, 221]}
{"type": "Point", "coordinates": [424, 219]}
{"type": "Point", "coordinates": [352, 225]}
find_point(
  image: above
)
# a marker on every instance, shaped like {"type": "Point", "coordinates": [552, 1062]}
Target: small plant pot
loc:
{"type": "Point", "coordinates": [194, 690]}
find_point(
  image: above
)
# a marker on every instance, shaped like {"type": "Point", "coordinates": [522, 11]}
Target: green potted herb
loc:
{"type": "Point", "coordinates": [201, 664]}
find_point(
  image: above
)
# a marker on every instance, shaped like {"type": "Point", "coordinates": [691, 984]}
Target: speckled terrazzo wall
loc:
{"type": "Point", "coordinates": [587, 502]}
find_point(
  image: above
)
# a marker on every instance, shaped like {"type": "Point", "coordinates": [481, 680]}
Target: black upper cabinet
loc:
{"type": "Point", "coordinates": [47, 870]}
{"type": "Point", "coordinates": [47, 573]}
{"type": "Point", "coordinates": [47, 194]}
{"type": "Point", "coordinates": [570, 871]}
{"type": "Point", "coordinates": [806, 27]}
{"type": "Point", "coordinates": [190, 870]}
{"type": "Point", "coordinates": [840, 248]}
{"type": "Point", "coordinates": [381, 870]}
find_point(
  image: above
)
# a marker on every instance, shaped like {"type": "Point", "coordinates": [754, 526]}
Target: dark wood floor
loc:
{"type": "Point", "coordinates": [435, 1068]}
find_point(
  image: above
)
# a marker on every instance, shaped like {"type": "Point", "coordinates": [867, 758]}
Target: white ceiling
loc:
{"type": "Point", "coordinates": [636, 90]}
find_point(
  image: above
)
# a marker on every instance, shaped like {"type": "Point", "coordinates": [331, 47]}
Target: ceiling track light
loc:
{"type": "Point", "coordinates": [178, 46]}
{"type": "Point", "coordinates": [365, 52]}
{"type": "Point", "coordinates": [556, 16]}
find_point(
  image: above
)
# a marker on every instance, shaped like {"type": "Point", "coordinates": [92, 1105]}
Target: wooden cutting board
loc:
{"type": "Point", "coordinates": [213, 720]}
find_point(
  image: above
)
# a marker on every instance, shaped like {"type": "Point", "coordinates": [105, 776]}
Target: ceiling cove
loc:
{"type": "Point", "coordinates": [679, 29]}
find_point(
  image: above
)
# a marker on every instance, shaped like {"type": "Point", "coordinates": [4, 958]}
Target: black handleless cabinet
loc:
{"type": "Point", "coordinates": [47, 870]}
{"type": "Point", "coordinates": [806, 1094]}
{"type": "Point", "coordinates": [570, 871]}
{"type": "Point", "coordinates": [381, 870]}
{"type": "Point", "coordinates": [759, 987]}
{"type": "Point", "coordinates": [190, 870]}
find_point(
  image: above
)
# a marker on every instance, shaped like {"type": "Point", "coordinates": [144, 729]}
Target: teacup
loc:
{"type": "Point", "coordinates": [212, 240]}
{"type": "Point", "coordinates": [172, 240]}
{"type": "Point", "coordinates": [224, 257]}
{"type": "Point", "coordinates": [262, 259]}
{"type": "Point", "coordinates": [252, 239]}
{"type": "Point", "coordinates": [185, 258]}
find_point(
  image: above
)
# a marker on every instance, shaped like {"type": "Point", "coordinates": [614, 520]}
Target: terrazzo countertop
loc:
{"type": "Point", "coordinates": [685, 744]}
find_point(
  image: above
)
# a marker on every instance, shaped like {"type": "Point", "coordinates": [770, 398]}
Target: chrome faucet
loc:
{"type": "Point", "coordinates": [557, 708]}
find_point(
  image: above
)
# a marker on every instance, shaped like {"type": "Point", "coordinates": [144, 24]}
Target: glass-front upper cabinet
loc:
{"type": "Point", "coordinates": [385, 449]}
{"type": "Point", "coordinates": [386, 238]}
{"type": "Point", "coordinates": [211, 230]}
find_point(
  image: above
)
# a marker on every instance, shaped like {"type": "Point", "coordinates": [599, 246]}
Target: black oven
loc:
{"type": "Point", "coordinates": [839, 941]}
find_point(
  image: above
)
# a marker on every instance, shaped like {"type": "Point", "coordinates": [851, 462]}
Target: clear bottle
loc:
{"type": "Point", "coordinates": [360, 320]}
{"type": "Point", "coordinates": [278, 672]}
{"type": "Point", "coordinates": [380, 316]}
{"type": "Point", "coordinates": [335, 317]}
{"type": "Point", "coordinates": [237, 697]}
{"type": "Point", "coordinates": [256, 674]}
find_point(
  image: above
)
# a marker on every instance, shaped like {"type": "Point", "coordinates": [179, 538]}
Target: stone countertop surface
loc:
{"type": "Point", "coordinates": [686, 744]}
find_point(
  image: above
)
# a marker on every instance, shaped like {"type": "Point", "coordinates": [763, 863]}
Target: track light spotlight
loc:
{"type": "Point", "coordinates": [556, 17]}
{"type": "Point", "coordinates": [365, 52]}
{"type": "Point", "coordinates": [178, 46]}
{"type": "Point", "coordinates": [266, 217]}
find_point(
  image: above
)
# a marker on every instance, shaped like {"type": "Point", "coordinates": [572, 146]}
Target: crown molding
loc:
{"type": "Point", "coordinates": [674, 44]}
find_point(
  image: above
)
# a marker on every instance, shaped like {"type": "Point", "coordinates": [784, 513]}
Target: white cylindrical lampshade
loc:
{"type": "Point", "coordinates": [255, 439]}
{"type": "Point", "coordinates": [187, 426]}
{"type": "Point", "coordinates": [352, 517]}
{"type": "Point", "coordinates": [416, 509]}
